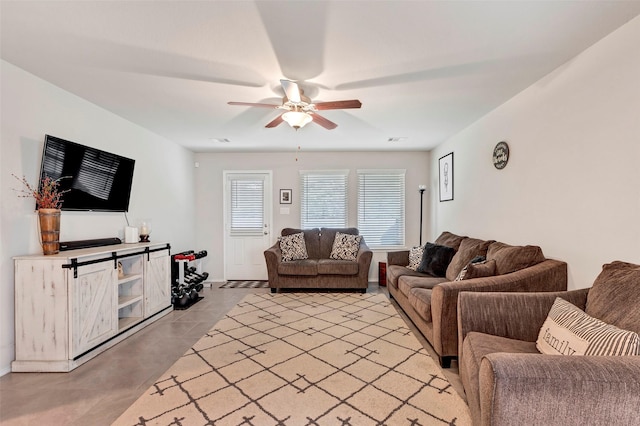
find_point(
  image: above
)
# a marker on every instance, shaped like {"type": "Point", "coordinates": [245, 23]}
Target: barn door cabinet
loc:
{"type": "Point", "coordinates": [71, 306]}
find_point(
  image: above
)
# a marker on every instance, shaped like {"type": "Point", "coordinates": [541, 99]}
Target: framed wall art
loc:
{"type": "Point", "coordinates": [445, 180]}
{"type": "Point", "coordinates": [285, 196]}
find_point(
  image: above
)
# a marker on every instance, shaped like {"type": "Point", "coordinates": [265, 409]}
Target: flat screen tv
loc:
{"type": "Point", "coordinates": [96, 180]}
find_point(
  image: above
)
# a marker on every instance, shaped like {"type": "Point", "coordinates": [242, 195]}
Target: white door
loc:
{"type": "Point", "coordinates": [247, 197]}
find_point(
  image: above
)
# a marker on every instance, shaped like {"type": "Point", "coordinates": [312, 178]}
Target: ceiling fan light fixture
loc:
{"type": "Point", "coordinates": [297, 119]}
{"type": "Point", "coordinates": [299, 109]}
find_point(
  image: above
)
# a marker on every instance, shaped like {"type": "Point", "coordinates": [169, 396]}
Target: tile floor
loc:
{"type": "Point", "coordinates": [97, 392]}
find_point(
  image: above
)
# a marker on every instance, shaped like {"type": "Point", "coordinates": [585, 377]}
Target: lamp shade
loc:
{"type": "Point", "coordinates": [296, 119]}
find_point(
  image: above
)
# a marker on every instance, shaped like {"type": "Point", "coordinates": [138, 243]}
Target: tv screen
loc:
{"type": "Point", "coordinates": [96, 180]}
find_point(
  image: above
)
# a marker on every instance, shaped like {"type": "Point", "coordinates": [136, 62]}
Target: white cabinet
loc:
{"type": "Point", "coordinates": [71, 306]}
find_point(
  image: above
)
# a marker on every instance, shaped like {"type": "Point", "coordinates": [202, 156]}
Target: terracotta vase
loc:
{"type": "Point", "coordinates": [49, 220]}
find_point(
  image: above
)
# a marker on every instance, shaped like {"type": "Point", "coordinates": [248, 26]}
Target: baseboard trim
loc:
{"type": "Point", "coordinates": [5, 370]}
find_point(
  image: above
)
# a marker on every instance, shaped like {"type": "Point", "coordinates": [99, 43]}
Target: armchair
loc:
{"type": "Point", "coordinates": [507, 381]}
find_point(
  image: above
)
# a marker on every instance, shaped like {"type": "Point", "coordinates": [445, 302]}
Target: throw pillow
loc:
{"type": "Point", "coordinates": [345, 246]}
{"type": "Point", "coordinates": [450, 240]}
{"type": "Point", "coordinates": [477, 269]}
{"type": "Point", "coordinates": [570, 331]}
{"type": "Point", "coordinates": [468, 249]}
{"type": "Point", "coordinates": [415, 257]}
{"type": "Point", "coordinates": [293, 247]}
{"type": "Point", "coordinates": [436, 259]}
{"type": "Point", "coordinates": [514, 258]}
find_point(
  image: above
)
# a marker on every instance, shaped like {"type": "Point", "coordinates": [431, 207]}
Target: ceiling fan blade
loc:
{"type": "Point", "coordinates": [292, 90]}
{"type": "Point", "coordinates": [275, 122]}
{"type": "Point", "coordinates": [299, 45]}
{"type": "Point", "coordinates": [353, 103]}
{"type": "Point", "coordinates": [253, 104]}
{"type": "Point", "coordinates": [327, 124]}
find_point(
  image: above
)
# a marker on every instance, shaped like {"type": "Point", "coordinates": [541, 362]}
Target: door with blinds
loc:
{"type": "Point", "coordinates": [247, 224]}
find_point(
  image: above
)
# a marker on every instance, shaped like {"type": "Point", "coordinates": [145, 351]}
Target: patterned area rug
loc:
{"type": "Point", "coordinates": [245, 284]}
{"type": "Point", "coordinates": [298, 359]}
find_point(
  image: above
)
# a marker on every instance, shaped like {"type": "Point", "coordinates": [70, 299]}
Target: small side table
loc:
{"type": "Point", "coordinates": [382, 274]}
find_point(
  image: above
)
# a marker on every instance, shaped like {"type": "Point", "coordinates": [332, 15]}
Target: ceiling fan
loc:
{"type": "Point", "coordinates": [299, 110]}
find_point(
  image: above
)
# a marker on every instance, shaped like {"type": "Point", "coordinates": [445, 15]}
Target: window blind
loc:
{"type": "Point", "coordinates": [381, 207]}
{"type": "Point", "coordinates": [323, 199]}
{"type": "Point", "coordinates": [247, 206]}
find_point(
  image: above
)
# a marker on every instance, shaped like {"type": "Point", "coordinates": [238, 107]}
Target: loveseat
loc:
{"type": "Point", "coordinates": [508, 381]}
{"type": "Point", "coordinates": [314, 267]}
{"type": "Point", "coordinates": [431, 301]}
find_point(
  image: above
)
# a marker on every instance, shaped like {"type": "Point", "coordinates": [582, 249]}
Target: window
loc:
{"type": "Point", "coordinates": [381, 207]}
{"type": "Point", "coordinates": [323, 198]}
{"type": "Point", "coordinates": [247, 206]}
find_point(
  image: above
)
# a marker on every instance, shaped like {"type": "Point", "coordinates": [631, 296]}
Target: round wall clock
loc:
{"type": "Point", "coordinates": [500, 155]}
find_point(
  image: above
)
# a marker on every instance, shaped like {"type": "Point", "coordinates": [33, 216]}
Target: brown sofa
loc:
{"type": "Point", "coordinates": [318, 271]}
{"type": "Point", "coordinates": [507, 381]}
{"type": "Point", "coordinates": [431, 302]}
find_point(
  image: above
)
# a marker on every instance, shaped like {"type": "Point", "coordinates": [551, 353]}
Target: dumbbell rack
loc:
{"type": "Point", "coordinates": [187, 278]}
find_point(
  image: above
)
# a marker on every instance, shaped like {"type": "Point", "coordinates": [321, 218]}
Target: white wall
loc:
{"type": "Point", "coordinates": [285, 167]}
{"type": "Point", "coordinates": [572, 184]}
{"type": "Point", "coordinates": [162, 190]}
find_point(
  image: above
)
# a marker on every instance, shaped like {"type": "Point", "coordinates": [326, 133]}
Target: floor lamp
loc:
{"type": "Point", "coordinates": [421, 188]}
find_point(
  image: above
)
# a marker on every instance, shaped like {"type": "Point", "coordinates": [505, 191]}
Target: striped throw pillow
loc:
{"type": "Point", "coordinates": [569, 331]}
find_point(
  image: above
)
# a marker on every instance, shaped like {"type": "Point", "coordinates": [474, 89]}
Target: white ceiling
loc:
{"type": "Point", "coordinates": [423, 70]}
